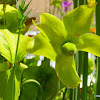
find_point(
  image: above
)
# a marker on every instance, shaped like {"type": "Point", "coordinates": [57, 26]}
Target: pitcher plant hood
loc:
{"type": "Point", "coordinates": [60, 40]}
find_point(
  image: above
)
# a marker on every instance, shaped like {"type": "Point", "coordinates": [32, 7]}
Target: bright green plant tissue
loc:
{"type": "Point", "coordinates": [10, 76]}
{"type": "Point", "coordinates": [41, 80]}
{"type": "Point", "coordinates": [10, 17]}
{"type": "Point", "coordinates": [60, 40]}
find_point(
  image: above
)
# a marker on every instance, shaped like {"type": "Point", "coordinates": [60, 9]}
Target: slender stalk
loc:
{"type": "Point", "coordinates": [54, 10]}
{"type": "Point", "coordinates": [79, 66]}
{"type": "Point", "coordinates": [4, 21]}
{"type": "Point", "coordinates": [85, 74]}
{"type": "Point", "coordinates": [13, 87]}
{"type": "Point", "coordinates": [64, 94]}
{"type": "Point", "coordinates": [81, 2]}
{"type": "Point", "coordinates": [76, 3]}
{"type": "Point", "coordinates": [78, 58]}
{"type": "Point", "coordinates": [15, 64]}
{"type": "Point", "coordinates": [98, 79]}
{"type": "Point", "coordinates": [98, 58]}
{"type": "Point", "coordinates": [61, 14]}
{"type": "Point", "coordinates": [4, 9]}
{"type": "Point", "coordinates": [71, 94]}
{"type": "Point", "coordinates": [49, 7]}
{"type": "Point", "coordinates": [17, 47]}
{"type": "Point", "coordinates": [85, 67]}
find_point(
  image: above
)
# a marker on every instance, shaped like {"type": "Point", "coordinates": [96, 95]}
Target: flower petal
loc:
{"type": "Point", "coordinates": [64, 9]}
{"type": "Point", "coordinates": [89, 43]}
{"type": "Point", "coordinates": [40, 46]}
{"type": "Point", "coordinates": [66, 71]}
{"type": "Point", "coordinates": [66, 4]}
{"type": "Point", "coordinates": [78, 21]}
{"type": "Point", "coordinates": [53, 29]}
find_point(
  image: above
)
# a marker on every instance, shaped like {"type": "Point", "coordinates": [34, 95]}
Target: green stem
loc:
{"type": "Point", "coordinates": [13, 87]}
{"type": "Point", "coordinates": [89, 89]}
{"type": "Point", "coordinates": [78, 57]}
{"type": "Point", "coordinates": [61, 14]}
{"type": "Point", "coordinates": [71, 94]}
{"type": "Point", "coordinates": [54, 10]}
{"type": "Point", "coordinates": [80, 62]}
{"type": "Point", "coordinates": [64, 94]}
{"type": "Point", "coordinates": [49, 7]}
{"type": "Point", "coordinates": [98, 58]}
{"type": "Point", "coordinates": [13, 93]}
{"type": "Point", "coordinates": [4, 9]}
{"type": "Point", "coordinates": [17, 47]}
{"type": "Point", "coordinates": [82, 2]}
{"type": "Point", "coordinates": [76, 3]}
{"type": "Point", "coordinates": [79, 66]}
{"type": "Point", "coordinates": [85, 75]}
{"type": "Point", "coordinates": [85, 66]}
{"type": "Point", "coordinates": [98, 79]}
{"type": "Point", "coordinates": [4, 21]}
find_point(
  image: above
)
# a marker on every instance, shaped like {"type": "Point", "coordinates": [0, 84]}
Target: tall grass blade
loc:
{"type": "Point", "coordinates": [98, 58]}
{"type": "Point", "coordinates": [85, 75]}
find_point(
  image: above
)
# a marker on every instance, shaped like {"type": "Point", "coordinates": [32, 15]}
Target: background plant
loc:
{"type": "Point", "coordinates": [19, 75]}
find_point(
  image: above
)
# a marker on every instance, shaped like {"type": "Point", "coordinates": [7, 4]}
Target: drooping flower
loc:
{"type": "Point", "coordinates": [66, 4]}
{"type": "Point", "coordinates": [60, 40]}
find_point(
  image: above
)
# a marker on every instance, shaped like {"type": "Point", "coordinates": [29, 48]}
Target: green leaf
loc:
{"type": "Point", "coordinates": [11, 2]}
{"type": "Point", "coordinates": [32, 81]}
{"type": "Point", "coordinates": [31, 85]}
{"type": "Point", "coordinates": [11, 18]}
{"type": "Point", "coordinates": [90, 67]}
{"type": "Point", "coordinates": [39, 45]}
{"type": "Point", "coordinates": [56, 3]}
{"type": "Point", "coordinates": [6, 84]}
{"type": "Point", "coordinates": [22, 46]}
{"type": "Point", "coordinates": [4, 66]}
{"type": "Point", "coordinates": [46, 76]}
{"type": "Point", "coordinates": [8, 43]}
{"type": "Point", "coordinates": [78, 22]}
{"type": "Point", "coordinates": [23, 65]}
{"type": "Point", "coordinates": [10, 81]}
{"type": "Point", "coordinates": [31, 62]}
{"type": "Point", "coordinates": [66, 71]}
{"type": "Point", "coordinates": [53, 29]}
{"type": "Point", "coordinates": [89, 43]}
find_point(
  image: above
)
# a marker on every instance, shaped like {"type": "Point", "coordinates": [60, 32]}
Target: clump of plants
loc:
{"type": "Point", "coordinates": [60, 41]}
